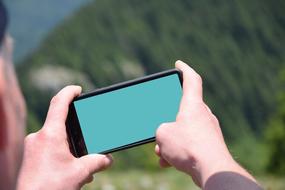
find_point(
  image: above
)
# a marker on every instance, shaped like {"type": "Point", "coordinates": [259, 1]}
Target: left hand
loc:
{"type": "Point", "coordinates": [47, 162]}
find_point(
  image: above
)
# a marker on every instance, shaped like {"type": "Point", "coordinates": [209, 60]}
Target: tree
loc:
{"type": "Point", "coordinates": [275, 135]}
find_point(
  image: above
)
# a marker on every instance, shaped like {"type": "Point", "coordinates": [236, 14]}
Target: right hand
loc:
{"type": "Point", "coordinates": [194, 143]}
{"type": "Point", "coordinates": [48, 162]}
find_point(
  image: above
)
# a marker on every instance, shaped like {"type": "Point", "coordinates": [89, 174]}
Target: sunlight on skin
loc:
{"type": "Point", "coordinates": [194, 143]}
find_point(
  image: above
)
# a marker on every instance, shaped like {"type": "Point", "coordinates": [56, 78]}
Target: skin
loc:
{"type": "Point", "coordinates": [12, 118]}
{"type": "Point", "coordinates": [194, 143]}
{"type": "Point", "coordinates": [47, 158]}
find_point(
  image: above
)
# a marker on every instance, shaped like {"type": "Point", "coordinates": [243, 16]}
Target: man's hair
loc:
{"type": "Point", "coordinates": [3, 21]}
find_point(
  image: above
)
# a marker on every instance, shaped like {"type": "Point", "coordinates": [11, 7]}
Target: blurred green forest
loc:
{"type": "Point", "coordinates": [275, 134]}
{"type": "Point", "coordinates": [236, 45]}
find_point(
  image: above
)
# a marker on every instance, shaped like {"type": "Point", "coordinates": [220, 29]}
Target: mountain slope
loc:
{"type": "Point", "coordinates": [31, 20]}
{"type": "Point", "coordinates": [237, 47]}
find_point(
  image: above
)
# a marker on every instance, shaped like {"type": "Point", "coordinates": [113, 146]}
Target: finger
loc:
{"type": "Point", "coordinates": [192, 84]}
{"type": "Point", "coordinates": [163, 163]}
{"type": "Point", "coordinates": [96, 162]}
{"type": "Point", "coordinates": [86, 180]}
{"type": "Point", "coordinates": [208, 109]}
{"type": "Point", "coordinates": [163, 133]}
{"type": "Point", "coordinates": [89, 179]}
{"type": "Point", "coordinates": [213, 117]}
{"type": "Point", "coordinates": [59, 104]}
{"type": "Point", "coordinates": [157, 150]}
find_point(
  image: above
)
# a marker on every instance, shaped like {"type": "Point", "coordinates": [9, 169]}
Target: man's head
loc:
{"type": "Point", "coordinates": [12, 111]}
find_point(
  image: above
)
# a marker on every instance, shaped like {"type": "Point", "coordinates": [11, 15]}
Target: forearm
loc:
{"type": "Point", "coordinates": [226, 173]}
{"type": "Point", "coordinates": [231, 180]}
{"type": "Point", "coordinates": [194, 143]}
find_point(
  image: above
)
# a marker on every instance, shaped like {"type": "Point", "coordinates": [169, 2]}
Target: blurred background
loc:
{"type": "Point", "coordinates": [238, 47]}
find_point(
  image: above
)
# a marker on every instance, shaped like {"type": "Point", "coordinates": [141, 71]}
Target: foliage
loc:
{"type": "Point", "coordinates": [142, 180]}
{"type": "Point", "coordinates": [253, 157]}
{"type": "Point", "coordinates": [166, 179]}
{"type": "Point", "coordinates": [275, 135]}
{"type": "Point", "coordinates": [237, 46]}
{"type": "Point", "coordinates": [142, 157]}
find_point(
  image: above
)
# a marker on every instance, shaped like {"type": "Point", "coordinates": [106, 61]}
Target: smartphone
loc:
{"type": "Point", "coordinates": [124, 115]}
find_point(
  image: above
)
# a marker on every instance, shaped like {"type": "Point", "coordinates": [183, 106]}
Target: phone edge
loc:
{"type": "Point", "coordinates": [129, 83]}
{"type": "Point", "coordinates": [110, 88]}
{"type": "Point", "coordinates": [72, 124]}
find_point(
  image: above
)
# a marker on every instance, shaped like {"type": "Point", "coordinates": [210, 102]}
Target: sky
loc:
{"type": "Point", "coordinates": [30, 21]}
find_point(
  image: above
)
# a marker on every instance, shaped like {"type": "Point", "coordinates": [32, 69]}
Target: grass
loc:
{"type": "Point", "coordinates": [272, 182]}
{"type": "Point", "coordinates": [139, 180]}
{"type": "Point", "coordinates": [167, 180]}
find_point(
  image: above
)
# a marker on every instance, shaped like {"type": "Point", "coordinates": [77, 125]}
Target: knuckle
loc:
{"type": "Point", "coordinates": [85, 171]}
{"type": "Point", "coordinates": [183, 114]}
{"type": "Point", "coordinates": [215, 119]}
{"type": "Point", "coordinates": [48, 136]}
{"type": "Point", "coordinates": [161, 132]}
{"type": "Point", "coordinates": [30, 139]}
{"type": "Point", "coordinates": [100, 165]}
{"type": "Point", "coordinates": [198, 78]}
{"type": "Point", "coordinates": [44, 134]}
{"type": "Point", "coordinates": [54, 100]}
{"type": "Point", "coordinates": [200, 107]}
{"type": "Point", "coordinates": [82, 169]}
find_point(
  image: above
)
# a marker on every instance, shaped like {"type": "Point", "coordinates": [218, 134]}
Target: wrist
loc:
{"type": "Point", "coordinates": [39, 182]}
{"type": "Point", "coordinates": [216, 163]}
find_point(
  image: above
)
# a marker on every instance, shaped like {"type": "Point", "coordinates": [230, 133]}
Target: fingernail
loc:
{"type": "Point", "coordinates": [78, 86]}
{"type": "Point", "coordinates": [179, 61]}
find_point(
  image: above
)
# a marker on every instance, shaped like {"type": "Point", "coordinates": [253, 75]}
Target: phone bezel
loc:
{"type": "Point", "coordinates": [75, 136]}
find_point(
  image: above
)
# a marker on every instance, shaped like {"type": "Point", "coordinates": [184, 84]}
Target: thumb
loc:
{"type": "Point", "coordinates": [96, 162]}
{"type": "Point", "coordinates": [192, 84]}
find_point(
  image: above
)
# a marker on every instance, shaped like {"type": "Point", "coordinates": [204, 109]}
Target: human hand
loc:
{"type": "Point", "coordinates": [194, 143]}
{"type": "Point", "coordinates": [47, 162]}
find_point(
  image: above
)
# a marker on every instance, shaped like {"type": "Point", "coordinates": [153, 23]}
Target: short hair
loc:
{"type": "Point", "coordinates": [3, 21]}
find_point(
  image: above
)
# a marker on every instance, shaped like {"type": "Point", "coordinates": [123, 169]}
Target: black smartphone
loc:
{"type": "Point", "coordinates": [123, 115]}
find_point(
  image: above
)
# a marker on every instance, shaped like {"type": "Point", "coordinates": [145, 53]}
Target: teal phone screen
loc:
{"type": "Point", "coordinates": [128, 115]}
